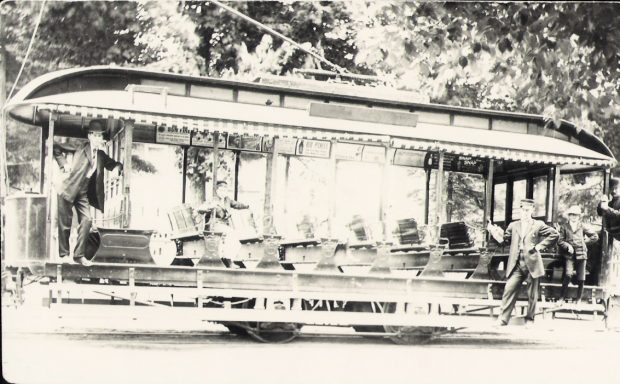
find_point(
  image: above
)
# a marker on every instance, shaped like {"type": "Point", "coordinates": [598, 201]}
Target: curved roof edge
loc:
{"type": "Point", "coordinates": [399, 98]}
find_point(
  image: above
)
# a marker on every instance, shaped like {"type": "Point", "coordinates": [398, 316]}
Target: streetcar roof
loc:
{"type": "Point", "coordinates": [187, 102]}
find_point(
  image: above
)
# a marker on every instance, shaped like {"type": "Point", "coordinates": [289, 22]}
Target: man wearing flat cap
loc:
{"type": "Point", "coordinates": [610, 210]}
{"type": "Point", "coordinates": [575, 237]}
{"type": "Point", "coordinates": [82, 187]}
{"type": "Point", "coordinates": [527, 238]}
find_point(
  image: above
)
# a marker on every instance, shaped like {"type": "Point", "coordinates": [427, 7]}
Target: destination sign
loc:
{"type": "Point", "coordinates": [457, 163]}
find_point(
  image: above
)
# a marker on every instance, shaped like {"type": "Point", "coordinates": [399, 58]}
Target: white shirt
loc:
{"type": "Point", "coordinates": [93, 168]}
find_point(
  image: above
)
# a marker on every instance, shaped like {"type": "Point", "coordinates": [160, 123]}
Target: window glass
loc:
{"type": "Point", "coordinates": [251, 184]}
{"type": "Point", "coordinates": [583, 190]}
{"type": "Point", "coordinates": [304, 202]}
{"type": "Point", "coordinates": [540, 196]}
{"type": "Point", "coordinates": [519, 190]}
{"type": "Point", "coordinates": [358, 196]}
{"type": "Point", "coordinates": [156, 185]}
{"type": "Point", "coordinates": [499, 202]}
{"type": "Point", "coordinates": [406, 194]}
{"type": "Point", "coordinates": [23, 157]}
{"type": "Point", "coordinates": [199, 180]}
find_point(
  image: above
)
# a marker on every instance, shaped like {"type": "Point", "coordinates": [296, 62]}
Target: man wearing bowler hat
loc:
{"type": "Point", "coordinates": [82, 187]}
{"type": "Point", "coordinates": [610, 210]}
{"type": "Point", "coordinates": [527, 238]}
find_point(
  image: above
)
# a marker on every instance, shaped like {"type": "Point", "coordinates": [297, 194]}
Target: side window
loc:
{"type": "Point", "coordinates": [23, 157]}
{"type": "Point", "coordinates": [540, 196]}
{"type": "Point", "coordinates": [519, 191]}
{"type": "Point", "coordinates": [499, 202]}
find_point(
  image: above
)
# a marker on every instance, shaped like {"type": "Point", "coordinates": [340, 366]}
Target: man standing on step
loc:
{"type": "Point", "coordinates": [610, 210]}
{"type": "Point", "coordinates": [527, 238]}
{"type": "Point", "coordinates": [82, 187]}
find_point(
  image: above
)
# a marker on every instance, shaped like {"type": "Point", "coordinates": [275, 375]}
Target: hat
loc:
{"type": "Point", "coordinates": [96, 126]}
{"type": "Point", "coordinates": [613, 182]}
{"type": "Point", "coordinates": [574, 210]}
{"type": "Point", "coordinates": [527, 201]}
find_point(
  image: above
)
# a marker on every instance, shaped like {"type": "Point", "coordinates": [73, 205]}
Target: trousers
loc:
{"type": "Point", "coordinates": [517, 276]}
{"type": "Point", "coordinates": [65, 217]}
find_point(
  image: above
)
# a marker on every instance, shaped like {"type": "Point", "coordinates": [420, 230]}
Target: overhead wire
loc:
{"type": "Point", "coordinates": [272, 31]}
{"type": "Point", "coordinates": [32, 38]}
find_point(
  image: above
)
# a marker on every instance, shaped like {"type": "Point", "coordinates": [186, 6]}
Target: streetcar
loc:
{"type": "Point", "coordinates": [367, 206]}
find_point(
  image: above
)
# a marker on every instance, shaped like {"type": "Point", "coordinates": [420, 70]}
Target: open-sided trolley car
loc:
{"type": "Point", "coordinates": [367, 208]}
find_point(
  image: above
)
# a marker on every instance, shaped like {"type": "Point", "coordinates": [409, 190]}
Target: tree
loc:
{"type": "Point", "coordinates": [96, 32]}
{"type": "Point", "coordinates": [555, 59]}
{"type": "Point", "coordinates": [232, 46]}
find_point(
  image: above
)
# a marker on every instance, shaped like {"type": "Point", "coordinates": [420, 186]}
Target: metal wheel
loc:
{"type": "Point", "coordinates": [410, 335]}
{"type": "Point", "coordinates": [263, 331]}
{"type": "Point", "coordinates": [403, 335]}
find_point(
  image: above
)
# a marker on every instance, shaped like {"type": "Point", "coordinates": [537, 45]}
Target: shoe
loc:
{"type": "Point", "coordinates": [499, 323]}
{"type": "Point", "coordinates": [528, 324]}
{"type": "Point", "coordinates": [84, 261]}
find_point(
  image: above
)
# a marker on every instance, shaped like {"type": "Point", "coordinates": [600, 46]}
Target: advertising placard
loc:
{"type": "Point", "coordinates": [409, 158]}
{"type": "Point", "coordinates": [286, 146]}
{"type": "Point", "coordinates": [205, 139]}
{"type": "Point", "coordinates": [172, 135]}
{"type": "Point", "coordinates": [347, 151]}
{"type": "Point", "coordinates": [373, 154]}
{"type": "Point", "coordinates": [246, 143]}
{"type": "Point", "coordinates": [313, 148]}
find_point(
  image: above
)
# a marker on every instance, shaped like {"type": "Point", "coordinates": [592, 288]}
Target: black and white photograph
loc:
{"type": "Point", "coordinates": [309, 192]}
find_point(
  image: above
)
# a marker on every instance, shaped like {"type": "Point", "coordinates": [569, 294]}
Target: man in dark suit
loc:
{"type": "Point", "coordinates": [527, 238]}
{"type": "Point", "coordinates": [82, 187]}
{"type": "Point", "coordinates": [610, 210]}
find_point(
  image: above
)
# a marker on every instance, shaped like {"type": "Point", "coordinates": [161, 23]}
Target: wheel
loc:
{"type": "Point", "coordinates": [236, 329]}
{"type": "Point", "coordinates": [402, 335]}
{"type": "Point", "coordinates": [265, 332]}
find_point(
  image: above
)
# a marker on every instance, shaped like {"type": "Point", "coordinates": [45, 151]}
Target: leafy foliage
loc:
{"type": "Point", "coordinates": [556, 59]}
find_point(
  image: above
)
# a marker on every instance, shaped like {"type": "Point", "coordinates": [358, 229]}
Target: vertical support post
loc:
{"type": "Point", "coordinates": [556, 194]}
{"type": "Point", "coordinates": [184, 175]}
{"type": "Point", "coordinates": [216, 161]}
{"type": "Point", "coordinates": [488, 198]}
{"type": "Point", "coordinates": [439, 194]}
{"type": "Point", "coordinates": [606, 177]}
{"type": "Point", "coordinates": [427, 196]}
{"type": "Point", "coordinates": [383, 207]}
{"type": "Point", "coordinates": [332, 185]}
{"type": "Point", "coordinates": [603, 266]}
{"type": "Point", "coordinates": [47, 167]}
{"type": "Point", "coordinates": [269, 227]}
{"type": "Point", "coordinates": [509, 197]}
{"type": "Point", "coordinates": [287, 171]}
{"type": "Point", "coordinates": [126, 159]}
{"type": "Point", "coordinates": [549, 201]}
{"type": "Point", "coordinates": [237, 165]}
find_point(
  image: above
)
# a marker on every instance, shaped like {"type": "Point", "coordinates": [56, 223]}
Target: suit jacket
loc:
{"type": "Point", "coordinates": [611, 217]}
{"type": "Point", "coordinates": [78, 177]}
{"type": "Point", "coordinates": [538, 233]}
{"type": "Point", "coordinates": [578, 239]}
